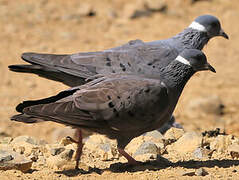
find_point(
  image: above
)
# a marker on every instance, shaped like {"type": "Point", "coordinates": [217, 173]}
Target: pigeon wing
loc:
{"type": "Point", "coordinates": [124, 103]}
{"type": "Point", "coordinates": [138, 58]}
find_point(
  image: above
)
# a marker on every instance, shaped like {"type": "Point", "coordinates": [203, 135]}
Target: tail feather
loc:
{"type": "Point", "coordinates": [25, 118]}
{"type": "Point", "coordinates": [51, 99]}
{"type": "Point", "coordinates": [49, 73]}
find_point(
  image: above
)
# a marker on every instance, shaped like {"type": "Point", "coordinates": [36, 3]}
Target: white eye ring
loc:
{"type": "Point", "coordinates": [197, 26]}
{"type": "Point", "coordinates": [183, 60]}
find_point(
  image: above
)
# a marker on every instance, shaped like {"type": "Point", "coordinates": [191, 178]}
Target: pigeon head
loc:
{"type": "Point", "coordinates": [209, 24]}
{"type": "Point", "coordinates": [196, 59]}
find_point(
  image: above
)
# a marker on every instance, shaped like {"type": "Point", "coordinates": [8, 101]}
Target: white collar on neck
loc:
{"type": "Point", "coordinates": [182, 60]}
{"type": "Point", "coordinates": [197, 26]}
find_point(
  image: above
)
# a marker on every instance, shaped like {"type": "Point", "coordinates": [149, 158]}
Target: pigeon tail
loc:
{"type": "Point", "coordinates": [48, 73]}
{"type": "Point", "coordinates": [20, 107]}
{"type": "Point", "coordinates": [25, 118]}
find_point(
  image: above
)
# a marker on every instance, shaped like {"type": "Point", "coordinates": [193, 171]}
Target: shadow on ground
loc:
{"type": "Point", "coordinates": [161, 163]}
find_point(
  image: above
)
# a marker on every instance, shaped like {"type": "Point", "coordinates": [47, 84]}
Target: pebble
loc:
{"type": "Point", "coordinates": [221, 143]}
{"type": "Point", "coordinates": [145, 148]}
{"type": "Point", "coordinates": [14, 160]}
{"type": "Point", "coordinates": [6, 140]}
{"type": "Point", "coordinates": [189, 142]}
{"type": "Point", "coordinates": [56, 151]}
{"type": "Point", "coordinates": [202, 153]}
{"type": "Point", "coordinates": [174, 133]}
{"type": "Point", "coordinates": [201, 172]}
{"type": "Point", "coordinates": [234, 151]}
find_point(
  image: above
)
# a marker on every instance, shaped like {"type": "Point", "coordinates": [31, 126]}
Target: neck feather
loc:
{"type": "Point", "coordinates": [192, 39]}
{"type": "Point", "coordinates": [176, 75]}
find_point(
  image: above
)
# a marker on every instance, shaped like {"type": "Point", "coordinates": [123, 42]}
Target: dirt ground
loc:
{"type": "Point", "coordinates": [59, 27]}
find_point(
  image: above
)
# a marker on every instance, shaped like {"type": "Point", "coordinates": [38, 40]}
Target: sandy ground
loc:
{"type": "Point", "coordinates": [57, 27]}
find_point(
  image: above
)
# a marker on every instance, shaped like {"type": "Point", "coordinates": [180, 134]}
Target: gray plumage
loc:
{"type": "Point", "coordinates": [135, 57]}
{"type": "Point", "coordinates": [120, 106]}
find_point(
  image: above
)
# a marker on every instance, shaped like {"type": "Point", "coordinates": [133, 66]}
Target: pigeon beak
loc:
{"type": "Point", "coordinates": [223, 34]}
{"type": "Point", "coordinates": [206, 67]}
{"type": "Point", "coordinates": [210, 68]}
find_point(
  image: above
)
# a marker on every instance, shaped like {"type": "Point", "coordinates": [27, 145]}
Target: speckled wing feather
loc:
{"type": "Point", "coordinates": [134, 57]}
{"type": "Point", "coordinates": [125, 103]}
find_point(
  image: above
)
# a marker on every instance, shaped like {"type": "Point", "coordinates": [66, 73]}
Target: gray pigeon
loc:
{"type": "Point", "coordinates": [135, 57]}
{"type": "Point", "coordinates": [120, 106]}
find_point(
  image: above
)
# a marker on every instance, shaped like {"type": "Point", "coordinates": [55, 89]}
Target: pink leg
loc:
{"type": "Point", "coordinates": [79, 147]}
{"type": "Point", "coordinates": [130, 159]}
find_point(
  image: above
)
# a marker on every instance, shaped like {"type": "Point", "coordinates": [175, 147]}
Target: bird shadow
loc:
{"type": "Point", "coordinates": [160, 163]}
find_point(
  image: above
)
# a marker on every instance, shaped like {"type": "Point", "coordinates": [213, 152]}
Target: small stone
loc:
{"type": "Point", "coordinates": [6, 140]}
{"type": "Point", "coordinates": [33, 157]}
{"type": "Point", "coordinates": [189, 142]}
{"type": "Point", "coordinates": [135, 144]}
{"type": "Point", "coordinates": [202, 153]}
{"type": "Point", "coordinates": [155, 134]}
{"type": "Point", "coordinates": [146, 157]}
{"type": "Point", "coordinates": [201, 172]}
{"type": "Point", "coordinates": [59, 134]}
{"type": "Point", "coordinates": [174, 133]}
{"type": "Point", "coordinates": [156, 5]}
{"type": "Point", "coordinates": [234, 151]}
{"type": "Point", "coordinates": [221, 143]}
{"type": "Point", "coordinates": [86, 10]}
{"type": "Point", "coordinates": [67, 154]}
{"type": "Point", "coordinates": [14, 160]}
{"type": "Point", "coordinates": [5, 156]}
{"type": "Point", "coordinates": [147, 148]}
{"type": "Point", "coordinates": [27, 139]}
{"type": "Point", "coordinates": [56, 151]}
{"type": "Point", "coordinates": [133, 11]}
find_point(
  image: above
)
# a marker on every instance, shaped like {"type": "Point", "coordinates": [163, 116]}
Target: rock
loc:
{"type": "Point", "coordinates": [56, 151]}
{"type": "Point", "coordinates": [102, 147]}
{"type": "Point", "coordinates": [189, 142]}
{"type": "Point", "coordinates": [147, 148]}
{"type": "Point", "coordinates": [26, 139]}
{"type": "Point", "coordinates": [174, 133]}
{"type": "Point", "coordinates": [133, 11]}
{"type": "Point", "coordinates": [156, 5]}
{"type": "Point", "coordinates": [221, 143]}
{"type": "Point", "coordinates": [86, 10]}
{"type": "Point", "coordinates": [13, 160]}
{"type": "Point", "coordinates": [5, 156]}
{"type": "Point", "coordinates": [65, 141]}
{"type": "Point", "coordinates": [60, 133]}
{"type": "Point", "coordinates": [155, 134]}
{"type": "Point", "coordinates": [146, 157]}
{"type": "Point", "coordinates": [67, 154]}
{"type": "Point", "coordinates": [135, 144]}
{"type": "Point", "coordinates": [202, 107]}
{"type": "Point", "coordinates": [201, 172]}
{"type": "Point", "coordinates": [234, 151]}
{"type": "Point", "coordinates": [6, 140]}
{"type": "Point", "coordinates": [201, 153]}
{"type": "Point", "coordinates": [56, 162]}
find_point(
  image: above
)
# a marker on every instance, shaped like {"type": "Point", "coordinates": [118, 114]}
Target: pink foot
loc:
{"type": "Point", "coordinates": [130, 159]}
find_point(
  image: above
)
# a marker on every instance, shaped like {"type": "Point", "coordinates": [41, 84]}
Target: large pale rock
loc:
{"type": "Point", "coordinates": [101, 147]}
{"type": "Point", "coordinates": [174, 133]}
{"type": "Point", "coordinates": [147, 147]}
{"type": "Point", "coordinates": [189, 142]}
{"type": "Point", "coordinates": [221, 143]}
